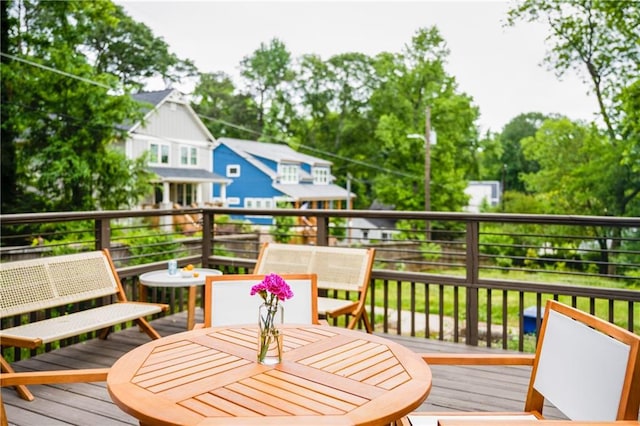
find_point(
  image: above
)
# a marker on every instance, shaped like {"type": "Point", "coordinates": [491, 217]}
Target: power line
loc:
{"type": "Point", "coordinates": [226, 123]}
{"type": "Point", "coordinates": [57, 71]}
{"type": "Point", "coordinates": [325, 153]}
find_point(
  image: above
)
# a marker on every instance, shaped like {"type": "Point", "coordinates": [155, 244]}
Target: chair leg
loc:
{"type": "Point", "coordinates": [21, 389]}
{"type": "Point", "coordinates": [104, 333]}
{"type": "Point", "coordinates": [367, 323]}
{"type": "Point", "coordinates": [3, 413]}
{"type": "Point", "coordinates": [356, 318]}
{"type": "Point", "coordinates": [146, 327]}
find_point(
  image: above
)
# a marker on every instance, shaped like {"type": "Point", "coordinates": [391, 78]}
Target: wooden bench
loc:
{"type": "Point", "coordinates": [32, 286]}
{"type": "Point", "coordinates": [338, 268]}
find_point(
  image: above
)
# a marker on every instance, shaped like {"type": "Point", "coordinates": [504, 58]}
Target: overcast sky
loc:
{"type": "Point", "coordinates": [500, 68]}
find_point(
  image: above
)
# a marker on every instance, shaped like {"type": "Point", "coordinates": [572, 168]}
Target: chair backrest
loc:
{"type": "Point", "coordinates": [341, 268]}
{"type": "Point", "coordinates": [35, 284]}
{"type": "Point", "coordinates": [586, 367]}
{"type": "Point", "coordinates": [228, 300]}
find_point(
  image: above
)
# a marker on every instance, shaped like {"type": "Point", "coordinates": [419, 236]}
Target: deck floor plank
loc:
{"type": "Point", "coordinates": [461, 388]}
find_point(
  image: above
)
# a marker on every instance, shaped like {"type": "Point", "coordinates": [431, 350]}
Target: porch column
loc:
{"type": "Point", "coordinates": [166, 195]}
{"type": "Point", "coordinates": [223, 194]}
{"type": "Point", "coordinates": [166, 221]}
{"type": "Point", "coordinates": [199, 194]}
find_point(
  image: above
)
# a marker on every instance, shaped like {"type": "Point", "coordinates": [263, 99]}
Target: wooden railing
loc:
{"type": "Point", "coordinates": [484, 277]}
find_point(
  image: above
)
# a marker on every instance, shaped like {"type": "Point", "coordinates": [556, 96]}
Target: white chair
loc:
{"type": "Point", "coordinates": [588, 368]}
{"type": "Point", "coordinates": [228, 300]}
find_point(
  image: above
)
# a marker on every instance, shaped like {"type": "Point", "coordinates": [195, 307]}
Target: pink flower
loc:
{"type": "Point", "coordinates": [272, 285]}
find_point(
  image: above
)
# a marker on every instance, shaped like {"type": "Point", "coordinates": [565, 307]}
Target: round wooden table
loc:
{"type": "Point", "coordinates": [161, 278]}
{"type": "Point", "coordinates": [328, 376]}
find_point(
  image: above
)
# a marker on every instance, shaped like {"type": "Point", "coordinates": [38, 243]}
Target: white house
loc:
{"type": "Point", "coordinates": [479, 192]}
{"type": "Point", "coordinates": [180, 151]}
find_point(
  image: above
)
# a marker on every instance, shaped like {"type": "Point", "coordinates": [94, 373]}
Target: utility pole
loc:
{"type": "Point", "coordinates": [427, 168]}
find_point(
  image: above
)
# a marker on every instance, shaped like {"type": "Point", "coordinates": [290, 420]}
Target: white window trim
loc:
{"type": "Point", "coordinates": [259, 203]}
{"type": "Point", "coordinates": [190, 156]}
{"type": "Point", "coordinates": [289, 173]}
{"type": "Point", "coordinates": [321, 175]}
{"type": "Point", "coordinates": [160, 146]}
{"type": "Point", "coordinates": [230, 167]}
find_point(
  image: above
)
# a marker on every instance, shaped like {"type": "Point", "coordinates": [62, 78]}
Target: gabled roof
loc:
{"type": "Point", "coordinates": [271, 151]}
{"type": "Point", "coordinates": [154, 98]}
{"type": "Point", "coordinates": [157, 99]}
{"type": "Point", "coordinates": [254, 152]}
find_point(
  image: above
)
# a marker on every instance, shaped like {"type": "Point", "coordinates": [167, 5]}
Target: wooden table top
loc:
{"type": "Point", "coordinates": [328, 376]}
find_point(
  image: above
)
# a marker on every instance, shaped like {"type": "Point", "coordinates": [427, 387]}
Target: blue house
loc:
{"type": "Point", "coordinates": [265, 174]}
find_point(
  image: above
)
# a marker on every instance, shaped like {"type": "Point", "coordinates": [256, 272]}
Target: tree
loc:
{"type": "Point", "coordinates": [225, 111]}
{"type": "Point", "coordinates": [8, 168]}
{"type": "Point", "coordinates": [506, 162]}
{"type": "Point", "coordinates": [338, 124]}
{"type": "Point", "coordinates": [64, 103]}
{"type": "Point", "coordinates": [410, 82]}
{"type": "Point", "coordinates": [266, 72]}
{"type": "Point", "coordinates": [600, 40]}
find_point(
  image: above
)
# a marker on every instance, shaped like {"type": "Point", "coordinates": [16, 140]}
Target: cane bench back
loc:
{"type": "Point", "coordinates": [36, 284]}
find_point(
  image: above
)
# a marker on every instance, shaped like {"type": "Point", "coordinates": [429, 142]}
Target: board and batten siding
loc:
{"type": "Point", "coordinates": [173, 124]}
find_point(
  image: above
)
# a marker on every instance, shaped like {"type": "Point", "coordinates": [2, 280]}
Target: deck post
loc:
{"type": "Point", "coordinates": [472, 276]}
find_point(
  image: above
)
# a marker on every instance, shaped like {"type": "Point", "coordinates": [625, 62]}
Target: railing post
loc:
{"type": "Point", "coordinates": [322, 231]}
{"type": "Point", "coordinates": [473, 274]}
{"type": "Point", "coordinates": [102, 232]}
{"type": "Point", "coordinates": [207, 237]}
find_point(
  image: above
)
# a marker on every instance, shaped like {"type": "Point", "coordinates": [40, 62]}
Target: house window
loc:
{"type": "Point", "coordinates": [188, 156]}
{"type": "Point", "coordinates": [159, 153]}
{"type": "Point", "coordinates": [233, 170]}
{"type": "Point", "coordinates": [186, 193]}
{"type": "Point", "coordinates": [320, 175]}
{"type": "Point", "coordinates": [258, 203]}
{"type": "Point", "coordinates": [288, 173]}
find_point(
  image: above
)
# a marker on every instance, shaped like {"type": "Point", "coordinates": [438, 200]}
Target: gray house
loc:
{"type": "Point", "coordinates": [180, 151]}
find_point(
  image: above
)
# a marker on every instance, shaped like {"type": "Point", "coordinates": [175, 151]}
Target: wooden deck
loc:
{"type": "Point", "coordinates": [454, 388]}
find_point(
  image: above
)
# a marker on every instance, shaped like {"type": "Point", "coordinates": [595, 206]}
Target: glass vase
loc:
{"type": "Point", "coordinates": [270, 317]}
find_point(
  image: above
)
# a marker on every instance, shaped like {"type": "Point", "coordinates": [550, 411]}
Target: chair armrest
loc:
{"type": "Point", "coordinates": [477, 359]}
{"type": "Point", "coordinates": [21, 342]}
{"type": "Point", "coordinates": [55, 376]}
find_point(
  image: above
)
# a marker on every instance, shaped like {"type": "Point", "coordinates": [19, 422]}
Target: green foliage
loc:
{"type": "Point", "coordinates": [431, 252]}
{"type": "Point", "coordinates": [62, 112]}
{"type": "Point", "coordinates": [337, 227]}
{"type": "Point", "coordinates": [599, 40]}
{"type": "Point", "coordinates": [145, 245]}
{"type": "Point", "coordinates": [266, 72]}
{"type": "Point", "coordinates": [575, 175]}
{"type": "Point", "coordinates": [218, 105]}
{"type": "Point", "coordinates": [411, 82]}
{"type": "Point", "coordinates": [282, 231]}
{"type": "Point", "coordinates": [358, 110]}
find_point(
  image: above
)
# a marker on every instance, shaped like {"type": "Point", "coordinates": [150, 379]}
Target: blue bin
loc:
{"type": "Point", "coordinates": [529, 319]}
